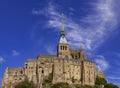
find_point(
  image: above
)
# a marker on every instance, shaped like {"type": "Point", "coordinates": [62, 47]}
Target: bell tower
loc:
{"type": "Point", "coordinates": [63, 46]}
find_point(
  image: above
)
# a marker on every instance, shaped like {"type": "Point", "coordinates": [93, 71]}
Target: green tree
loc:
{"type": "Point", "coordinates": [60, 85]}
{"type": "Point", "coordinates": [110, 85]}
{"type": "Point", "coordinates": [73, 79]}
{"type": "Point", "coordinates": [25, 84]}
{"type": "Point", "coordinates": [47, 81]}
{"type": "Point", "coordinates": [100, 81]}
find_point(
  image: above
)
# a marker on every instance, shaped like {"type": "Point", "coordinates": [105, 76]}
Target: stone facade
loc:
{"type": "Point", "coordinates": [71, 66]}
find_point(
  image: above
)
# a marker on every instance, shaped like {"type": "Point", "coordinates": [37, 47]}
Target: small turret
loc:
{"type": "Point", "coordinates": [81, 56]}
{"type": "Point", "coordinates": [84, 56]}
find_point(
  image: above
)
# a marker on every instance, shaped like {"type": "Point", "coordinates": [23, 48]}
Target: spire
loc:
{"type": "Point", "coordinates": [81, 56]}
{"type": "Point", "coordinates": [62, 29]}
{"type": "Point", "coordinates": [62, 35]}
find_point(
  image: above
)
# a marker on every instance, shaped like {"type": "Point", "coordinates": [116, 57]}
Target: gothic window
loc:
{"type": "Point", "coordinates": [25, 65]}
{"type": "Point", "coordinates": [65, 47]}
{"type": "Point", "coordinates": [42, 71]}
{"type": "Point", "coordinates": [21, 72]}
{"type": "Point", "coordinates": [61, 47]}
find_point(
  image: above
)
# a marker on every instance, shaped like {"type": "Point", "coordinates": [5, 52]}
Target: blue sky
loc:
{"type": "Point", "coordinates": [32, 27]}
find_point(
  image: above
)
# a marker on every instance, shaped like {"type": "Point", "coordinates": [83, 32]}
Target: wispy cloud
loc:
{"type": "Point", "coordinates": [15, 53]}
{"type": "Point", "coordinates": [99, 25]}
{"type": "Point", "coordinates": [114, 79]}
{"type": "Point", "coordinates": [101, 63]}
{"type": "Point", "coordinates": [1, 59]}
{"type": "Point", "coordinates": [50, 49]}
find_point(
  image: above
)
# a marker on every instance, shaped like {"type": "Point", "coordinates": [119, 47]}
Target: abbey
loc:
{"type": "Point", "coordinates": [65, 66]}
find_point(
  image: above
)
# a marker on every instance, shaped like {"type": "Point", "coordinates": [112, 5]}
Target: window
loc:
{"type": "Point", "coordinates": [42, 71]}
{"type": "Point", "coordinates": [65, 47]}
{"type": "Point", "coordinates": [21, 72]}
{"type": "Point", "coordinates": [25, 65]}
{"type": "Point", "coordinates": [61, 47]}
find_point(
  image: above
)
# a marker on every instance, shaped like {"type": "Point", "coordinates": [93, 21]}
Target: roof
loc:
{"type": "Point", "coordinates": [63, 40]}
{"type": "Point", "coordinates": [46, 55]}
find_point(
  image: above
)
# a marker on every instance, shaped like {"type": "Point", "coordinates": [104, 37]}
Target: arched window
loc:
{"type": "Point", "coordinates": [42, 71]}
{"type": "Point", "coordinates": [65, 47]}
{"type": "Point", "coordinates": [61, 47]}
{"type": "Point", "coordinates": [21, 72]}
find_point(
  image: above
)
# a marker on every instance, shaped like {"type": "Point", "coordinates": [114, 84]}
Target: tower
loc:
{"type": "Point", "coordinates": [63, 46]}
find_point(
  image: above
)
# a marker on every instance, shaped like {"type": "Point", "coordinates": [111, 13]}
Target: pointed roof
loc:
{"type": "Point", "coordinates": [62, 36]}
{"type": "Point", "coordinates": [63, 39]}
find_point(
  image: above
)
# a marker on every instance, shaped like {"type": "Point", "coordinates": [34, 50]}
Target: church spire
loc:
{"type": "Point", "coordinates": [62, 35]}
{"type": "Point", "coordinates": [62, 29]}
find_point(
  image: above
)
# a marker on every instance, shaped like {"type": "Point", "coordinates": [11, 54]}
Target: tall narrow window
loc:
{"type": "Point", "coordinates": [65, 47]}
{"type": "Point", "coordinates": [61, 47]}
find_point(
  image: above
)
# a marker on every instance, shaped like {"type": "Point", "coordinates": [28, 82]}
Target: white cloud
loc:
{"type": "Point", "coordinates": [101, 63]}
{"type": "Point", "coordinates": [15, 53]}
{"type": "Point", "coordinates": [1, 59]}
{"type": "Point", "coordinates": [37, 12]}
{"type": "Point", "coordinates": [99, 25]}
{"type": "Point", "coordinates": [113, 77]}
{"type": "Point", "coordinates": [50, 49]}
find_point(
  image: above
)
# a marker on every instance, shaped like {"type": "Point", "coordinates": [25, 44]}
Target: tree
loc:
{"type": "Point", "coordinates": [47, 81]}
{"type": "Point", "coordinates": [100, 81]}
{"type": "Point", "coordinates": [73, 79]}
{"type": "Point", "coordinates": [60, 85]}
{"type": "Point", "coordinates": [25, 84]}
{"type": "Point", "coordinates": [110, 85]}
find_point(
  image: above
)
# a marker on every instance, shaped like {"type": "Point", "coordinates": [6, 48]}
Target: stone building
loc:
{"type": "Point", "coordinates": [65, 66]}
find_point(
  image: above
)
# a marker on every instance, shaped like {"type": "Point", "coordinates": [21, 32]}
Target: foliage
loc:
{"type": "Point", "coordinates": [60, 85]}
{"type": "Point", "coordinates": [110, 85]}
{"type": "Point", "coordinates": [48, 80]}
{"type": "Point", "coordinates": [25, 84]}
{"type": "Point", "coordinates": [100, 81]}
{"type": "Point", "coordinates": [47, 83]}
{"type": "Point", "coordinates": [86, 86]}
{"type": "Point", "coordinates": [72, 79]}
